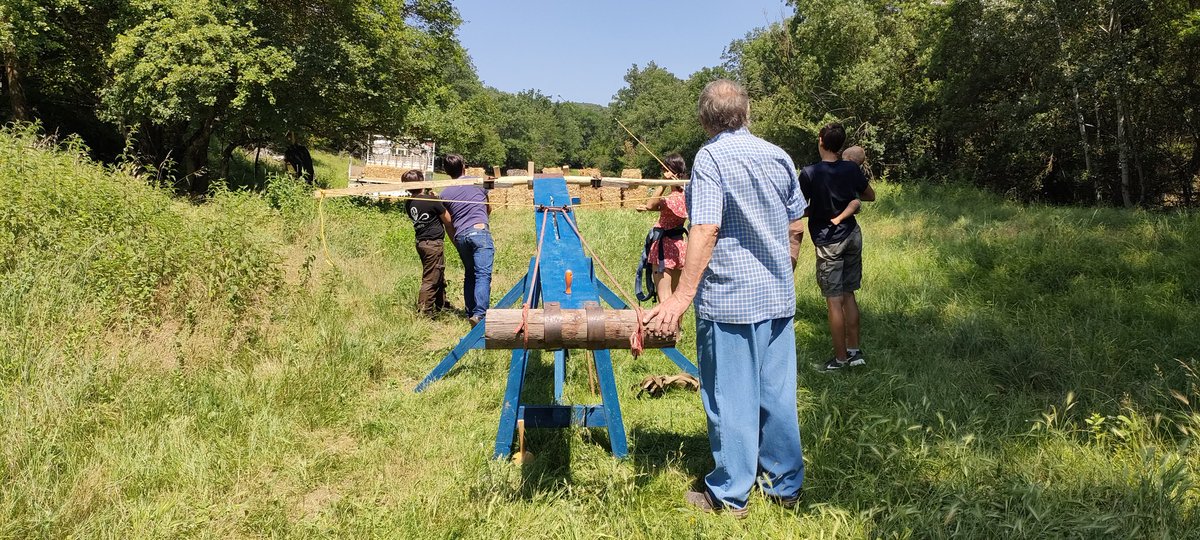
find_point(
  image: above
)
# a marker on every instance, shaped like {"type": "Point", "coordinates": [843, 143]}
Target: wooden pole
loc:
{"type": "Point", "coordinates": [613, 330]}
{"type": "Point", "coordinates": [391, 184]}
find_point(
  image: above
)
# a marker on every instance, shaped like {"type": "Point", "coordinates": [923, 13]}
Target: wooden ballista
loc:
{"type": "Point", "coordinates": [565, 314]}
{"type": "Point", "coordinates": [379, 185]}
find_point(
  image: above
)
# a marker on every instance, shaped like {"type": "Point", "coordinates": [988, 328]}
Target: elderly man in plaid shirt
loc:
{"type": "Point", "coordinates": [744, 203]}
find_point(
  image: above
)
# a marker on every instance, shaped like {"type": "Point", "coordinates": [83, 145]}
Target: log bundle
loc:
{"type": "Point", "coordinates": [551, 328]}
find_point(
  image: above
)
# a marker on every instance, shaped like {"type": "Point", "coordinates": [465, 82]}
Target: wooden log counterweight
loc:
{"type": "Point", "coordinates": [551, 328]}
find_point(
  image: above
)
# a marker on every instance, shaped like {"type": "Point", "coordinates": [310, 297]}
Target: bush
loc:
{"type": "Point", "coordinates": [77, 237]}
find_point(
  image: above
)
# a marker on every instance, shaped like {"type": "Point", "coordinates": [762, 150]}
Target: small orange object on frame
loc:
{"type": "Point", "coordinates": [567, 277]}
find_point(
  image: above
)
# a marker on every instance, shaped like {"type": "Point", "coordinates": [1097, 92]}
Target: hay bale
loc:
{"type": "Point", "coordinates": [477, 172]}
{"type": "Point", "coordinates": [516, 172]}
{"type": "Point", "coordinates": [500, 197]}
{"type": "Point", "coordinates": [630, 193]}
{"type": "Point", "coordinates": [612, 197]}
{"type": "Point", "coordinates": [589, 195]}
{"type": "Point", "coordinates": [380, 171]}
{"type": "Point", "coordinates": [520, 197]}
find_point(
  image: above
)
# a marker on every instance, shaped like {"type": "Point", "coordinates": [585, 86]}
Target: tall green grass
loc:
{"type": "Point", "coordinates": [220, 371]}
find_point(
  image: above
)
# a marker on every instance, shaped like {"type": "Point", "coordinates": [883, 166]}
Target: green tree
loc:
{"type": "Point", "coordinates": [185, 73]}
{"type": "Point", "coordinates": [180, 78]}
{"type": "Point", "coordinates": [660, 109]}
{"type": "Point", "coordinates": [52, 53]}
{"type": "Point", "coordinates": [528, 128]}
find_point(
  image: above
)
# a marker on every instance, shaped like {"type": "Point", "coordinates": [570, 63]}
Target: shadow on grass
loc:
{"type": "Point", "coordinates": [979, 317]}
{"type": "Point", "coordinates": [654, 451]}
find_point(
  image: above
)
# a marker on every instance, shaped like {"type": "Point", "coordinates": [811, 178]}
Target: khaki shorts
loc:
{"type": "Point", "coordinates": [839, 265]}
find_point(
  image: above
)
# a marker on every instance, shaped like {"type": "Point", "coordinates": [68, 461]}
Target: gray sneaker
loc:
{"type": "Point", "coordinates": [857, 359]}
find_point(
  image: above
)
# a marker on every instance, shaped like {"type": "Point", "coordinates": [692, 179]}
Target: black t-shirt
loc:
{"type": "Point", "coordinates": [426, 217]}
{"type": "Point", "coordinates": [829, 186]}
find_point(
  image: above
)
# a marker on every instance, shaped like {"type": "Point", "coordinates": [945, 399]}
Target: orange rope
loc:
{"type": "Point", "coordinates": [637, 340]}
{"type": "Point", "coordinates": [537, 262]}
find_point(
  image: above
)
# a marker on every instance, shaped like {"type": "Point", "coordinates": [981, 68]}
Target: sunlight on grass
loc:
{"type": "Point", "coordinates": [180, 370]}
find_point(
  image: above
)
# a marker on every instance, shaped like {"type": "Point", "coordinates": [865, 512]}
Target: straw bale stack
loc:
{"type": "Point", "coordinates": [587, 194]}
{"type": "Point", "coordinates": [630, 193]}
{"type": "Point", "coordinates": [380, 171]}
{"type": "Point", "coordinates": [477, 172]}
{"type": "Point", "coordinates": [500, 197]}
{"type": "Point", "coordinates": [520, 196]}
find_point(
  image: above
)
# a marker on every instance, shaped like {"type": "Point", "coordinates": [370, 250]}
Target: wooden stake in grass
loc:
{"type": "Point", "coordinates": [522, 457]}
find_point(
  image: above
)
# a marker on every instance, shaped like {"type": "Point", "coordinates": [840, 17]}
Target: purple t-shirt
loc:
{"type": "Point", "coordinates": [465, 215]}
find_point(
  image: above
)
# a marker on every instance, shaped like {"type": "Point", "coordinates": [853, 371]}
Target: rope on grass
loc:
{"type": "Point", "coordinates": [321, 227]}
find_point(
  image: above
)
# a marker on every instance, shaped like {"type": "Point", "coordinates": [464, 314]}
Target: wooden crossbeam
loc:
{"type": "Point", "coordinates": [382, 185]}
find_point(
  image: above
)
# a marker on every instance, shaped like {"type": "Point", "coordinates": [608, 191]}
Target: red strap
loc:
{"type": "Point", "coordinates": [637, 339]}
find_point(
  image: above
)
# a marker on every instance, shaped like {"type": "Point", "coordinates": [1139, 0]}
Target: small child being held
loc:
{"type": "Point", "coordinates": [859, 156]}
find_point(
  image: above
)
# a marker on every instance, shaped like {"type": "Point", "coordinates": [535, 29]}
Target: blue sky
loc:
{"type": "Point", "coordinates": [579, 50]}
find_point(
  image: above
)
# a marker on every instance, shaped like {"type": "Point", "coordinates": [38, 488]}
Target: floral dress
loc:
{"type": "Point", "coordinates": [672, 215]}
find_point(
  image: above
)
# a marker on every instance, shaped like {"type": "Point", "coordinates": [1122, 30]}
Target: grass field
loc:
{"type": "Point", "coordinates": [171, 370]}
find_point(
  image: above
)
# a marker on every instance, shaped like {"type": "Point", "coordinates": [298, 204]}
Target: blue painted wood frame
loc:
{"type": "Point", "coordinates": [672, 353]}
{"type": "Point", "coordinates": [560, 373]}
{"type": "Point", "coordinates": [474, 338]}
{"type": "Point", "coordinates": [562, 250]}
{"type": "Point", "coordinates": [553, 416]}
{"type": "Point", "coordinates": [512, 403]}
{"type": "Point", "coordinates": [612, 408]}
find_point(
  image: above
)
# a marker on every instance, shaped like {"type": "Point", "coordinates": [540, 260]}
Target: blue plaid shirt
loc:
{"type": "Point", "coordinates": [748, 187]}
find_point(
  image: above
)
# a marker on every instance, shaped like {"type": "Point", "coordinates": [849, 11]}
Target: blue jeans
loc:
{"type": "Point", "coordinates": [476, 250]}
{"type": "Point", "coordinates": [748, 386]}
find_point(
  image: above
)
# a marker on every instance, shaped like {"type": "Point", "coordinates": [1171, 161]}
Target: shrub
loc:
{"type": "Point", "coordinates": [79, 237]}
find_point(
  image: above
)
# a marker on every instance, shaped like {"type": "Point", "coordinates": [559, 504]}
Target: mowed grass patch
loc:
{"type": "Point", "coordinates": [1030, 374]}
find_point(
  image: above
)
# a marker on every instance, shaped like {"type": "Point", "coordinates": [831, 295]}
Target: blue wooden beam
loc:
{"type": "Point", "coordinates": [560, 374]}
{"type": "Point", "coordinates": [512, 403]}
{"type": "Point", "coordinates": [561, 416]}
{"type": "Point", "coordinates": [681, 361]}
{"type": "Point", "coordinates": [474, 338]}
{"type": "Point", "coordinates": [612, 407]}
{"type": "Point", "coordinates": [608, 295]}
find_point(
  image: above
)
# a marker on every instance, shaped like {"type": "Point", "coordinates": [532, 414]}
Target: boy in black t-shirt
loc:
{"type": "Point", "coordinates": [834, 188]}
{"type": "Point", "coordinates": [430, 220]}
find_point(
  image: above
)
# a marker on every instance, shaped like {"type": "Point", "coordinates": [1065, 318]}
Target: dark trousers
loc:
{"type": "Point", "coordinates": [432, 295]}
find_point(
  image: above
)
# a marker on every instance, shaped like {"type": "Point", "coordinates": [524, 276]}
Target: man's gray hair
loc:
{"type": "Point", "coordinates": [724, 105]}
